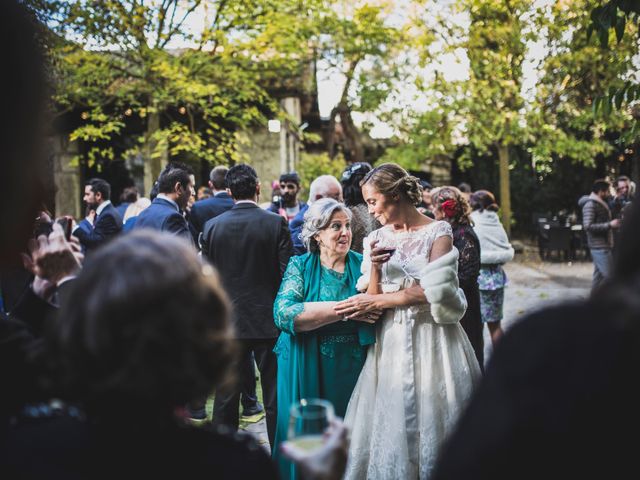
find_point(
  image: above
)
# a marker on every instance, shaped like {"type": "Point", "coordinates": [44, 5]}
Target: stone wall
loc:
{"type": "Point", "coordinates": [66, 172]}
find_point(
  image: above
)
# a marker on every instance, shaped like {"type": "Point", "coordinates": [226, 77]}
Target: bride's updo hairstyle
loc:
{"type": "Point", "coordinates": [392, 180]}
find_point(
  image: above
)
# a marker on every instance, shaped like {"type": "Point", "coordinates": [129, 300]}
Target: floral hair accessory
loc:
{"type": "Point", "coordinates": [449, 207]}
{"type": "Point", "coordinates": [351, 170]}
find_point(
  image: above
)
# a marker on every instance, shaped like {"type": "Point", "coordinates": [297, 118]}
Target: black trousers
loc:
{"type": "Point", "coordinates": [249, 398]}
{"type": "Point", "coordinates": [226, 403]}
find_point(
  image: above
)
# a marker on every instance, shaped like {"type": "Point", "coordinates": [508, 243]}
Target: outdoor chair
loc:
{"type": "Point", "coordinates": [558, 240]}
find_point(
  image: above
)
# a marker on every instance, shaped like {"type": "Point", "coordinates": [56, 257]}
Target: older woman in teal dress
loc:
{"type": "Point", "coordinates": [320, 354]}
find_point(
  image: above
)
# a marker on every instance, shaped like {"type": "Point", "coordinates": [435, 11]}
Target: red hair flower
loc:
{"type": "Point", "coordinates": [449, 208]}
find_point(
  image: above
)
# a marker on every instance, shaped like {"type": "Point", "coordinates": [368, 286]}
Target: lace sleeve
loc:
{"type": "Point", "coordinates": [441, 229]}
{"type": "Point", "coordinates": [289, 302]}
{"type": "Point", "coordinates": [469, 259]}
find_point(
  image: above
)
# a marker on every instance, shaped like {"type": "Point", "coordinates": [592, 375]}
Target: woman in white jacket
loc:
{"type": "Point", "coordinates": [495, 251]}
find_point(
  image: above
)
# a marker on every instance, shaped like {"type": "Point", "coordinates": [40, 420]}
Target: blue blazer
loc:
{"type": "Point", "coordinates": [107, 225]}
{"type": "Point", "coordinates": [295, 225]}
{"type": "Point", "coordinates": [164, 216]}
{"type": "Point", "coordinates": [204, 210]}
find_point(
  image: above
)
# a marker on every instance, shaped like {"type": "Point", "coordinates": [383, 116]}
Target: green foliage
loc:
{"type": "Point", "coordinates": [312, 165]}
{"type": "Point", "coordinates": [137, 61]}
{"type": "Point", "coordinates": [492, 101]}
{"type": "Point", "coordinates": [622, 17]}
{"type": "Point", "coordinates": [613, 15]}
{"type": "Point", "coordinates": [427, 136]}
{"type": "Point", "coordinates": [569, 117]}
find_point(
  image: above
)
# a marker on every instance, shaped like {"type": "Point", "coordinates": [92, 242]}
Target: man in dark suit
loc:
{"type": "Point", "coordinates": [104, 217]}
{"type": "Point", "coordinates": [250, 247]}
{"type": "Point", "coordinates": [204, 210]}
{"type": "Point", "coordinates": [166, 212]}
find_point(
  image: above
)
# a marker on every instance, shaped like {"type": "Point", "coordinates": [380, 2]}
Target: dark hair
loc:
{"type": "Point", "coordinates": [599, 185]}
{"type": "Point", "coordinates": [464, 187]}
{"type": "Point", "coordinates": [129, 194]}
{"type": "Point", "coordinates": [426, 185]}
{"type": "Point", "coordinates": [391, 180]}
{"type": "Point", "coordinates": [292, 177]}
{"type": "Point", "coordinates": [350, 181]}
{"type": "Point", "coordinates": [217, 177]}
{"type": "Point", "coordinates": [461, 207]}
{"type": "Point", "coordinates": [145, 325]}
{"type": "Point", "coordinates": [623, 178]}
{"type": "Point", "coordinates": [174, 172]}
{"type": "Point", "coordinates": [242, 180]}
{"type": "Point", "coordinates": [483, 200]}
{"type": "Point", "coordinates": [24, 96]}
{"type": "Point", "coordinates": [153, 193]}
{"type": "Point", "coordinates": [100, 185]}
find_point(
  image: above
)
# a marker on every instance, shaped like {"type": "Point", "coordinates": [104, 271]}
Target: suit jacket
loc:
{"type": "Point", "coordinates": [204, 210]}
{"type": "Point", "coordinates": [107, 225]}
{"type": "Point", "coordinates": [250, 247]}
{"type": "Point", "coordinates": [295, 225]}
{"type": "Point", "coordinates": [122, 208]}
{"type": "Point", "coordinates": [164, 216]}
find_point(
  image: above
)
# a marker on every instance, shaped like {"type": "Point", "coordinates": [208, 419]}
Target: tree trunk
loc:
{"type": "Point", "coordinates": [153, 164]}
{"type": "Point", "coordinates": [351, 141]}
{"type": "Point", "coordinates": [505, 193]}
{"type": "Point", "coordinates": [352, 137]}
{"type": "Point", "coordinates": [635, 164]}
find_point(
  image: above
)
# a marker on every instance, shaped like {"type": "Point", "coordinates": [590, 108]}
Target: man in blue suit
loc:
{"type": "Point", "coordinates": [166, 212]}
{"type": "Point", "coordinates": [204, 210]}
{"type": "Point", "coordinates": [103, 217]}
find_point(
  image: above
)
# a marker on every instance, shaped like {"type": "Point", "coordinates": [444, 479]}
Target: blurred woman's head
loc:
{"type": "Point", "coordinates": [145, 329]}
{"type": "Point", "coordinates": [482, 200]}
{"type": "Point", "coordinates": [388, 189]}
{"type": "Point", "coordinates": [24, 127]}
{"type": "Point", "coordinates": [135, 208]}
{"type": "Point", "coordinates": [450, 205]}
{"type": "Point", "coordinates": [350, 180]}
{"type": "Point", "coordinates": [327, 225]}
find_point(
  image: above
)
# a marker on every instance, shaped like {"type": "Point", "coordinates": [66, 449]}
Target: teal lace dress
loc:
{"type": "Point", "coordinates": [323, 363]}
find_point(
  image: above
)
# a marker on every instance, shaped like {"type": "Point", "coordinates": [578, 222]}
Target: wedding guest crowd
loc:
{"type": "Point", "coordinates": [103, 359]}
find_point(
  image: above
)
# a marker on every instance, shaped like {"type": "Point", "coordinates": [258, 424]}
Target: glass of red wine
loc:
{"type": "Point", "coordinates": [390, 250]}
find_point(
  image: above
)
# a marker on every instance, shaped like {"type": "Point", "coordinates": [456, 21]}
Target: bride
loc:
{"type": "Point", "coordinates": [422, 369]}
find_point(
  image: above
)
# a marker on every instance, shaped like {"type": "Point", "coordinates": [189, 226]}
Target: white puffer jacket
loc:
{"type": "Point", "coordinates": [494, 243]}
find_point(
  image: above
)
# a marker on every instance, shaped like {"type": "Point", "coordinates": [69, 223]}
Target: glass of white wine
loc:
{"type": "Point", "coordinates": [308, 420]}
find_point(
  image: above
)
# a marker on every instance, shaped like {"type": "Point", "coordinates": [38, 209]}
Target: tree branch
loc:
{"type": "Point", "coordinates": [176, 29]}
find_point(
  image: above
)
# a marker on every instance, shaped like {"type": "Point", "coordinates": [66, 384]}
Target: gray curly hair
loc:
{"type": "Point", "coordinates": [317, 218]}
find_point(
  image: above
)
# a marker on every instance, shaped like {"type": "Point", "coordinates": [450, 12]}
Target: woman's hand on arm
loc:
{"type": "Point", "coordinates": [315, 315]}
{"type": "Point", "coordinates": [363, 307]}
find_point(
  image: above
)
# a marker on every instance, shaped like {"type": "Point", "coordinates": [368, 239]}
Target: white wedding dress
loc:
{"type": "Point", "coordinates": [418, 375]}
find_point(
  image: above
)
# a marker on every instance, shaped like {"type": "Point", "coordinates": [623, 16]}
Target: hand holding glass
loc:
{"type": "Point", "coordinates": [308, 420]}
{"type": "Point", "coordinates": [387, 286]}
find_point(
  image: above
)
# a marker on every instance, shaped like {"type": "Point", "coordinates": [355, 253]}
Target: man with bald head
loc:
{"type": "Point", "coordinates": [325, 186]}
